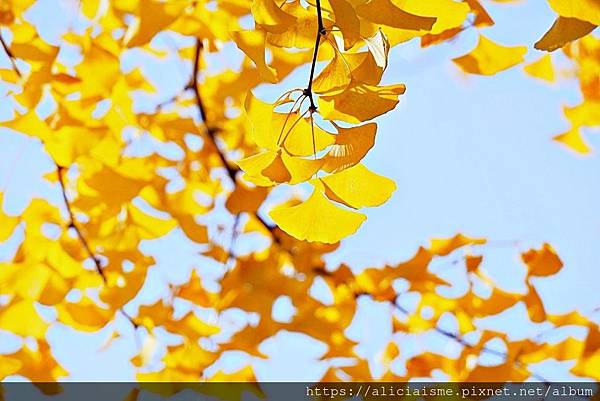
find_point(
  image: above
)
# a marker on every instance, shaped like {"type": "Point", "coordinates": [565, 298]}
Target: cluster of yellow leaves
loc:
{"type": "Point", "coordinates": [585, 54]}
{"type": "Point", "coordinates": [355, 38]}
{"type": "Point", "coordinates": [572, 31]}
{"type": "Point", "coordinates": [81, 258]}
{"type": "Point", "coordinates": [284, 161]}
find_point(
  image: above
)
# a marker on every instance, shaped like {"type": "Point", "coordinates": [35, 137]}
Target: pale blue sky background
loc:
{"type": "Point", "coordinates": [469, 154]}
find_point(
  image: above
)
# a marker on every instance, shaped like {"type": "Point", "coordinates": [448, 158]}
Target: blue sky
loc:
{"type": "Point", "coordinates": [469, 154]}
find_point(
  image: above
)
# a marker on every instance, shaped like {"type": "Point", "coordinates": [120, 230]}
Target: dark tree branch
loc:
{"type": "Point", "coordinates": [73, 223]}
{"type": "Point", "coordinates": [194, 80]}
{"type": "Point", "coordinates": [320, 32]}
{"type": "Point", "coordinates": [84, 243]}
{"type": "Point", "coordinates": [212, 131]}
{"type": "Point", "coordinates": [11, 56]}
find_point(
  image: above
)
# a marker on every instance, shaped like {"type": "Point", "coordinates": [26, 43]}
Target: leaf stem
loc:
{"type": "Point", "coordinates": [320, 32]}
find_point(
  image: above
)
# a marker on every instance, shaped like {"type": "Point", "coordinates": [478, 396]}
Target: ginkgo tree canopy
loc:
{"type": "Point", "coordinates": [226, 170]}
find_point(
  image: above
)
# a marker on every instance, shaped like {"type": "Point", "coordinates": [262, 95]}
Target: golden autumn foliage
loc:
{"type": "Point", "coordinates": [236, 151]}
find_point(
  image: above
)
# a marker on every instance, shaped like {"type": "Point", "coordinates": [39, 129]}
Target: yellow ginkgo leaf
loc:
{"type": "Point", "coordinates": [542, 262]}
{"type": "Point", "coordinates": [334, 78]}
{"type": "Point", "coordinates": [584, 114]}
{"type": "Point", "coordinates": [8, 366]}
{"type": "Point", "coordinates": [444, 246]}
{"type": "Point", "coordinates": [542, 69]}
{"type": "Point", "coordinates": [535, 306]}
{"type": "Point", "coordinates": [390, 353]}
{"type": "Point", "coordinates": [100, 72]}
{"type": "Point", "coordinates": [191, 326]}
{"type": "Point", "coordinates": [260, 115]}
{"type": "Point", "coordinates": [301, 34]}
{"type": "Point", "coordinates": [123, 287]}
{"type": "Point", "coordinates": [29, 281]}
{"type": "Point", "coordinates": [482, 18]}
{"type": "Point", "coordinates": [573, 140]}
{"type": "Point", "coordinates": [254, 165]}
{"type": "Point", "coordinates": [301, 169]}
{"type": "Point", "coordinates": [449, 13]}
{"type": "Point", "coordinates": [270, 168]}
{"type": "Point", "coordinates": [149, 227]}
{"type": "Point", "coordinates": [364, 68]}
{"type": "Point", "coordinates": [121, 187]}
{"type": "Point", "coordinates": [489, 58]}
{"type": "Point", "coordinates": [276, 171]}
{"type": "Point", "coordinates": [252, 43]}
{"type": "Point", "coordinates": [245, 199]}
{"type": "Point", "coordinates": [347, 20]}
{"type": "Point", "coordinates": [153, 17]}
{"type": "Point", "coordinates": [84, 315]}
{"type": "Point", "coordinates": [21, 318]}
{"type": "Point", "coordinates": [585, 10]}
{"type": "Point", "coordinates": [317, 219]}
{"type": "Point", "coordinates": [270, 17]}
{"type": "Point", "coordinates": [379, 47]}
{"type": "Point", "coordinates": [388, 13]}
{"type": "Point", "coordinates": [358, 187]}
{"type": "Point", "coordinates": [351, 145]}
{"type": "Point", "coordinates": [68, 143]}
{"type": "Point", "coordinates": [7, 223]}
{"type": "Point", "coordinates": [361, 102]}
{"type": "Point", "coordinates": [305, 137]}
{"type": "Point", "coordinates": [563, 31]}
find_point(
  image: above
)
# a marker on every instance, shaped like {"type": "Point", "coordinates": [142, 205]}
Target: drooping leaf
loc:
{"type": "Point", "coordinates": [358, 187]}
{"type": "Point", "coordinates": [563, 31]}
{"type": "Point", "coordinates": [361, 102]}
{"type": "Point", "coordinates": [317, 219]}
{"type": "Point", "coordinates": [153, 17]}
{"type": "Point", "coordinates": [543, 262]}
{"type": "Point", "coordinates": [351, 145]}
{"type": "Point", "coordinates": [347, 20]}
{"type": "Point", "coordinates": [489, 58]}
{"type": "Point", "coordinates": [388, 13]}
{"type": "Point", "coordinates": [334, 78]}
{"type": "Point", "coordinates": [573, 140]}
{"type": "Point", "coordinates": [379, 47]}
{"type": "Point", "coordinates": [270, 17]}
{"type": "Point", "coordinates": [252, 43]}
{"type": "Point", "coordinates": [584, 10]}
{"type": "Point", "coordinates": [541, 68]}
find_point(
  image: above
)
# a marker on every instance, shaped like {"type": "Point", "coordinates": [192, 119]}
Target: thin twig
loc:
{"type": "Point", "coordinates": [321, 31]}
{"type": "Point", "coordinates": [73, 223]}
{"type": "Point", "coordinates": [10, 55]}
{"type": "Point", "coordinates": [212, 131]}
{"type": "Point", "coordinates": [460, 340]}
